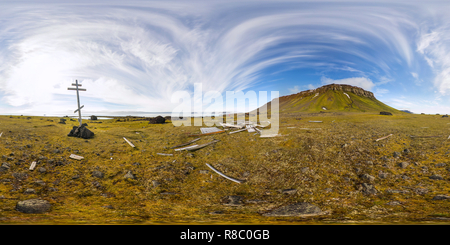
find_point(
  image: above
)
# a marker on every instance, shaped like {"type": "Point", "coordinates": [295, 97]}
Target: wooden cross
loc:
{"type": "Point", "coordinates": [78, 98]}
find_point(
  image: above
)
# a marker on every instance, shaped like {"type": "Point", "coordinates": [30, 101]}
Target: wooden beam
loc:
{"type": "Point", "coordinates": [237, 131]}
{"type": "Point", "coordinates": [33, 165]}
{"type": "Point", "coordinates": [164, 154]}
{"type": "Point", "coordinates": [412, 136]}
{"type": "Point", "coordinates": [382, 138]}
{"type": "Point", "coordinates": [187, 143]}
{"type": "Point", "coordinates": [76, 157]}
{"type": "Point", "coordinates": [223, 175]}
{"type": "Point", "coordinates": [79, 89]}
{"type": "Point", "coordinates": [129, 142]}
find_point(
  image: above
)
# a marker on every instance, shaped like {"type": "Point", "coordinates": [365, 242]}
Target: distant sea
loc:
{"type": "Point", "coordinates": [106, 115]}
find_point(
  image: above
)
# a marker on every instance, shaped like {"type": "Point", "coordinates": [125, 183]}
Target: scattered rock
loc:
{"type": "Point", "coordinates": [441, 197]}
{"type": "Point", "coordinates": [396, 154]}
{"type": "Point", "coordinates": [385, 113]}
{"type": "Point", "coordinates": [155, 183]}
{"type": "Point", "coordinates": [367, 177]}
{"type": "Point", "coordinates": [302, 209]}
{"type": "Point", "coordinates": [406, 151]}
{"type": "Point", "coordinates": [5, 167]}
{"type": "Point", "coordinates": [383, 175]}
{"type": "Point", "coordinates": [30, 191]}
{"type": "Point", "coordinates": [33, 206]}
{"type": "Point", "coordinates": [440, 165]}
{"type": "Point", "coordinates": [436, 177]}
{"type": "Point", "coordinates": [289, 191]}
{"type": "Point", "coordinates": [397, 191]}
{"type": "Point", "coordinates": [20, 176]}
{"type": "Point", "coordinates": [97, 174]}
{"type": "Point", "coordinates": [394, 203]}
{"type": "Point", "coordinates": [81, 132]}
{"type": "Point", "coordinates": [368, 189]}
{"type": "Point", "coordinates": [129, 175]}
{"type": "Point", "coordinates": [403, 164]}
{"type": "Point", "coordinates": [157, 120]}
{"type": "Point", "coordinates": [232, 201]}
{"type": "Point", "coordinates": [421, 191]}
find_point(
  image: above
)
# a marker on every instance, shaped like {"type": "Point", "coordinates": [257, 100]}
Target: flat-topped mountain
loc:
{"type": "Point", "coordinates": [333, 97]}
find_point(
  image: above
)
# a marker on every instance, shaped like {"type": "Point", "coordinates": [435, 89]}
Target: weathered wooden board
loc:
{"type": "Point", "coordinates": [218, 132]}
{"type": "Point", "coordinates": [268, 135]}
{"type": "Point", "coordinates": [315, 121]}
{"type": "Point", "coordinates": [76, 157]}
{"type": "Point", "coordinates": [129, 142]}
{"type": "Point", "coordinates": [382, 138]}
{"type": "Point", "coordinates": [201, 146]}
{"type": "Point", "coordinates": [223, 175]}
{"type": "Point", "coordinates": [232, 125]}
{"type": "Point", "coordinates": [186, 148]}
{"type": "Point", "coordinates": [33, 165]}
{"type": "Point", "coordinates": [237, 131]}
{"type": "Point", "coordinates": [437, 136]}
{"type": "Point", "coordinates": [164, 154]}
{"type": "Point", "coordinates": [1, 134]}
{"type": "Point", "coordinates": [209, 130]}
{"type": "Point", "coordinates": [187, 143]}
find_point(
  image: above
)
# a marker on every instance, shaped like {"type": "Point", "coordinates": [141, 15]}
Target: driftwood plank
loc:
{"type": "Point", "coordinates": [33, 165]}
{"type": "Point", "coordinates": [164, 154]}
{"type": "Point", "coordinates": [382, 138]}
{"type": "Point", "coordinates": [412, 136]}
{"type": "Point", "coordinates": [237, 131]}
{"type": "Point", "coordinates": [1, 134]}
{"type": "Point", "coordinates": [76, 157]}
{"type": "Point", "coordinates": [129, 142]}
{"type": "Point", "coordinates": [201, 146]}
{"type": "Point", "coordinates": [223, 175]}
{"type": "Point", "coordinates": [268, 135]}
{"type": "Point", "coordinates": [186, 148]}
{"type": "Point", "coordinates": [209, 130]}
{"type": "Point", "coordinates": [218, 132]}
{"type": "Point", "coordinates": [187, 143]}
{"type": "Point", "coordinates": [315, 121]}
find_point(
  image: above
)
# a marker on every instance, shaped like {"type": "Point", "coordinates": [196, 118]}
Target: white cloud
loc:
{"type": "Point", "coordinates": [362, 82]}
{"type": "Point", "coordinates": [139, 53]}
{"type": "Point", "coordinates": [294, 90]}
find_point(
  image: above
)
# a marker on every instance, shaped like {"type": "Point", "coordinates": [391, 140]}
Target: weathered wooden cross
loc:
{"type": "Point", "coordinates": [78, 98]}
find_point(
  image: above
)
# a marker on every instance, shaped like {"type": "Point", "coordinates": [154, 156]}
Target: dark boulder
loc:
{"type": "Point", "coordinates": [297, 209]}
{"type": "Point", "coordinates": [33, 206]}
{"type": "Point", "coordinates": [81, 132]}
{"type": "Point", "coordinates": [445, 116]}
{"type": "Point", "coordinates": [157, 120]}
{"type": "Point", "coordinates": [386, 113]}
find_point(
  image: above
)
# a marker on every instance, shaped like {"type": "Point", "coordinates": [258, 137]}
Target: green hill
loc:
{"type": "Point", "coordinates": [333, 98]}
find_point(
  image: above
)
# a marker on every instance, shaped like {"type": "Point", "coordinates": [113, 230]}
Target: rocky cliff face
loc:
{"type": "Point", "coordinates": [339, 87]}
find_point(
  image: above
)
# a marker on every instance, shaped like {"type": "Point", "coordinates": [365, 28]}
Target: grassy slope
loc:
{"type": "Point", "coordinates": [334, 101]}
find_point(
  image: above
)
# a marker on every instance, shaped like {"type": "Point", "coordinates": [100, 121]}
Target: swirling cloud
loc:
{"type": "Point", "coordinates": [135, 55]}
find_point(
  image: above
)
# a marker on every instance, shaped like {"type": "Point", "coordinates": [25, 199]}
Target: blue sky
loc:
{"type": "Point", "coordinates": [134, 55]}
